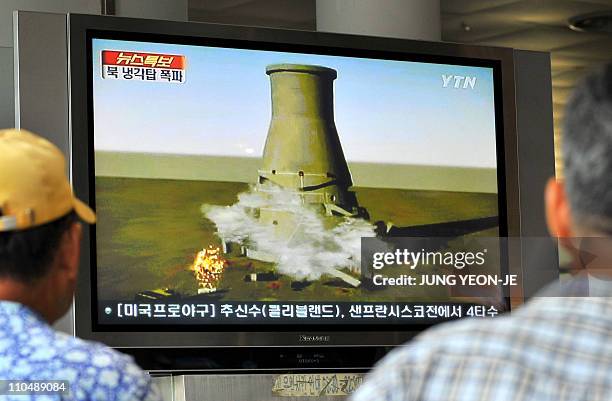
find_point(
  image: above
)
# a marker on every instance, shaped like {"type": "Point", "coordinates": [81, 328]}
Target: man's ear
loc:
{"type": "Point", "coordinates": [558, 213]}
{"type": "Point", "coordinates": [71, 249]}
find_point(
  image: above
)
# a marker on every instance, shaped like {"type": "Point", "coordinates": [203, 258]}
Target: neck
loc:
{"type": "Point", "coordinates": [32, 295]}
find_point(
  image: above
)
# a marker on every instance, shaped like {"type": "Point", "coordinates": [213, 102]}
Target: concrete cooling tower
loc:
{"type": "Point", "coordinates": [302, 206]}
{"type": "Point", "coordinates": [303, 153]}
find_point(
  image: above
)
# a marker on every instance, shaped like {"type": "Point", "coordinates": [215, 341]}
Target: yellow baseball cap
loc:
{"type": "Point", "coordinates": [34, 189]}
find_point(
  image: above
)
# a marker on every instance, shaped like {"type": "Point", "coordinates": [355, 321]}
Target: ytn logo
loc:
{"type": "Point", "coordinates": [458, 81]}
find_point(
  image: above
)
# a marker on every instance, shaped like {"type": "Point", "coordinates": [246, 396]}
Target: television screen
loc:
{"type": "Point", "coordinates": [283, 186]}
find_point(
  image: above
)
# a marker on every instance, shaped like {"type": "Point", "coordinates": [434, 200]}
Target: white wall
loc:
{"type": "Point", "coordinates": [172, 10]}
{"type": "Point", "coordinates": [407, 19]}
{"type": "Point", "coordinates": [52, 6]}
{"type": "Point", "coordinates": [7, 102]}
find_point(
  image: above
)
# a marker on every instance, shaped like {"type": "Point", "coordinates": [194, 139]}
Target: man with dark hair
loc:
{"type": "Point", "coordinates": [40, 238]}
{"type": "Point", "coordinates": [555, 347]}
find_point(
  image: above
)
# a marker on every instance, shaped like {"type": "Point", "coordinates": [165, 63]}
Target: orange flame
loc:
{"type": "Point", "coordinates": [208, 268]}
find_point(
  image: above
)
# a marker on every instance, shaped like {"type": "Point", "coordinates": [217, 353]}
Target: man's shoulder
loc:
{"type": "Point", "coordinates": [32, 350]}
{"type": "Point", "coordinates": [535, 325]}
{"type": "Point", "coordinates": [92, 370]}
{"type": "Point", "coordinates": [76, 351]}
{"type": "Point", "coordinates": [557, 337]}
{"type": "Point", "coordinates": [544, 342]}
{"type": "Point", "coordinates": [97, 369]}
{"type": "Point", "coordinates": [459, 337]}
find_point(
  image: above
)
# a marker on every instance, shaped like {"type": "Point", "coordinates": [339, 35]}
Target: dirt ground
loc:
{"type": "Point", "coordinates": [149, 231]}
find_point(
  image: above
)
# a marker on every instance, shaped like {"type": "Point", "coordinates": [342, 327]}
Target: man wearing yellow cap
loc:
{"type": "Point", "coordinates": [40, 236]}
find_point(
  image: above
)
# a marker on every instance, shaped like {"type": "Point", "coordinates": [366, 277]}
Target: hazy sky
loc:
{"type": "Point", "coordinates": [386, 111]}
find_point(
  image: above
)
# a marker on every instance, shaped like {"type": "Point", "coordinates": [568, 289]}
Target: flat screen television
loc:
{"type": "Point", "coordinates": [238, 173]}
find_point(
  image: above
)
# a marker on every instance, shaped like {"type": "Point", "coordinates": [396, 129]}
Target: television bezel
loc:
{"type": "Point", "coordinates": [82, 28]}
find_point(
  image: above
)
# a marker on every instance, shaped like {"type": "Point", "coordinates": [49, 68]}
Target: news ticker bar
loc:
{"type": "Point", "coordinates": [271, 313]}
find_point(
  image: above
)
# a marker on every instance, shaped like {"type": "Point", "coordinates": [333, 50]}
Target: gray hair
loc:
{"type": "Point", "coordinates": [587, 150]}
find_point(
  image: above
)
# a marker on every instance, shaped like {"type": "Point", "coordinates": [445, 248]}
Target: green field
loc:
{"type": "Point", "coordinates": [149, 231]}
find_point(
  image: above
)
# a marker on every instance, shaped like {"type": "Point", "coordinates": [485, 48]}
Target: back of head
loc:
{"type": "Point", "coordinates": [27, 255]}
{"type": "Point", "coordinates": [587, 151]}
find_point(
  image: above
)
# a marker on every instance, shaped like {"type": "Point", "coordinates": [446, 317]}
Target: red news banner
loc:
{"type": "Point", "coordinates": [141, 66]}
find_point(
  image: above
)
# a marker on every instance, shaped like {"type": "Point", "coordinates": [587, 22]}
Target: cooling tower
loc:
{"type": "Point", "coordinates": [302, 151]}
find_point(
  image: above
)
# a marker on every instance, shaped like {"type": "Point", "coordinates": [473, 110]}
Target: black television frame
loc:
{"type": "Point", "coordinates": [80, 31]}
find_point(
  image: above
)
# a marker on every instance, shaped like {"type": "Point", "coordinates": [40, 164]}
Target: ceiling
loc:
{"type": "Point", "coordinates": [523, 24]}
{"type": "Point", "coordinates": [293, 14]}
{"type": "Point", "coordinates": [533, 25]}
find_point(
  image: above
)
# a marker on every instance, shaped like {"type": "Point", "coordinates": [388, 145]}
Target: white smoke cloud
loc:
{"type": "Point", "coordinates": [310, 251]}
